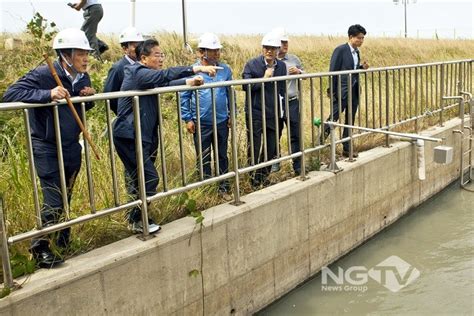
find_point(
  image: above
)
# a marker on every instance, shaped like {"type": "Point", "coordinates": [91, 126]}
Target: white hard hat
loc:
{"type": "Point", "coordinates": [281, 33]}
{"type": "Point", "coordinates": [130, 34]}
{"type": "Point", "coordinates": [271, 39]}
{"type": "Point", "coordinates": [71, 38]}
{"type": "Point", "coordinates": [210, 41]}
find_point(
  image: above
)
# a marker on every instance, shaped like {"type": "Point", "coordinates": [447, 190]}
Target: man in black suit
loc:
{"type": "Point", "coordinates": [346, 57]}
{"type": "Point", "coordinates": [266, 65]}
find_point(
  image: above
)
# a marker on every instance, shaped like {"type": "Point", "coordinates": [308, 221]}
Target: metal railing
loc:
{"type": "Point", "coordinates": [389, 97]}
{"type": "Point", "coordinates": [467, 135]}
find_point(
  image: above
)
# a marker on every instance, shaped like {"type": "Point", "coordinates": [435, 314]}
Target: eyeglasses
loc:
{"type": "Point", "coordinates": [270, 48]}
{"type": "Point", "coordinates": [160, 55]}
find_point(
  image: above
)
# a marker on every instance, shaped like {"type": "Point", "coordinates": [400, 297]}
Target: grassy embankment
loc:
{"type": "Point", "coordinates": [315, 53]}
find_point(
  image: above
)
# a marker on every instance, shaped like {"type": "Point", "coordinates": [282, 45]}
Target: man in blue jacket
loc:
{"type": "Point", "coordinates": [209, 54]}
{"type": "Point", "coordinates": [39, 86]}
{"type": "Point", "coordinates": [346, 57]}
{"type": "Point", "coordinates": [147, 73]}
{"type": "Point", "coordinates": [266, 65]}
{"type": "Point", "coordinates": [129, 40]}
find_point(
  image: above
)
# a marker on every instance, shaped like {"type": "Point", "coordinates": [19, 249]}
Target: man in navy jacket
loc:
{"type": "Point", "coordinates": [39, 86]}
{"type": "Point", "coordinates": [265, 66]}
{"type": "Point", "coordinates": [129, 39]}
{"type": "Point", "coordinates": [346, 57]}
{"type": "Point", "coordinates": [146, 74]}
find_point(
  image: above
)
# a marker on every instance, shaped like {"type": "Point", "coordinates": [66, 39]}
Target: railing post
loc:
{"type": "Point", "coordinates": [416, 100]}
{"type": "Point", "coordinates": [112, 153]}
{"type": "Point", "coordinates": [235, 159]}
{"type": "Point", "coordinates": [180, 133]}
{"type": "Point", "coordinates": [349, 116]}
{"type": "Point", "coordinates": [264, 125]}
{"type": "Point", "coordinates": [32, 169]}
{"type": "Point", "coordinates": [387, 107]}
{"type": "Point", "coordinates": [197, 130]}
{"type": "Point", "coordinates": [214, 132]}
{"type": "Point", "coordinates": [7, 269]}
{"type": "Point", "coordinates": [442, 94]}
{"type": "Point", "coordinates": [62, 174]}
{"type": "Point", "coordinates": [162, 144]}
{"type": "Point", "coordinates": [461, 156]}
{"type": "Point", "coordinates": [141, 169]}
{"type": "Point", "coordinates": [90, 180]}
{"type": "Point", "coordinates": [333, 165]}
{"type": "Point", "coordinates": [462, 110]}
{"type": "Point", "coordinates": [301, 133]}
{"type": "Point", "coordinates": [470, 75]}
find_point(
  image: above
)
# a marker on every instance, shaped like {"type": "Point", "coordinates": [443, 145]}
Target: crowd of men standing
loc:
{"type": "Point", "coordinates": [268, 108]}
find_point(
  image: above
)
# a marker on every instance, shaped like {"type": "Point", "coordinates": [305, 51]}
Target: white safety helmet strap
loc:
{"type": "Point", "coordinates": [70, 65]}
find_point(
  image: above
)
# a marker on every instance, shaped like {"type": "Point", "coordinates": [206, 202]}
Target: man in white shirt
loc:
{"type": "Point", "coordinates": [346, 57]}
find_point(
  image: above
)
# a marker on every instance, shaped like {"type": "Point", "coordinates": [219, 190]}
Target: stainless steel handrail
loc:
{"type": "Point", "coordinates": [378, 88]}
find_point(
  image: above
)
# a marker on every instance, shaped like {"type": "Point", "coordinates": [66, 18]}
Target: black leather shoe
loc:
{"type": "Point", "coordinates": [298, 173]}
{"type": "Point", "coordinates": [345, 153]}
{"type": "Point", "coordinates": [46, 259]}
{"type": "Point", "coordinates": [102, 46]}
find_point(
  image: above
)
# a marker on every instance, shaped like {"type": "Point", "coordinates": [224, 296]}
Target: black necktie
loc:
{"type": "Point", "coordinates": [358, 58]}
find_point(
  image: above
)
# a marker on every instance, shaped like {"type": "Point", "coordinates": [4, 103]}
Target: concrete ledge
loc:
{"type": "Point", "coordinates": [248, 255]}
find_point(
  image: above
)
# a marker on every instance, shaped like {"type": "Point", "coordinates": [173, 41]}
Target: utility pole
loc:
{"type": "Point", "coordinates": [185, 31]}
{"type": "Point", "coordinates": [132, 13]}
{"type": "Point", "coordinates": [405, 3]}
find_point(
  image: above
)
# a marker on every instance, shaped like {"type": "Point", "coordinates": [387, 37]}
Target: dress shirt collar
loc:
{"type": "Point", "coordinates": [131, 61]}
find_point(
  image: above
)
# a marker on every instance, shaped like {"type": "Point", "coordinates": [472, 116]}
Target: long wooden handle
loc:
{"type": "Point", "coordinates": [71, 107]}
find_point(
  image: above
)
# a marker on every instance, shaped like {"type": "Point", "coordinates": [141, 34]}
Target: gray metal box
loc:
{"type": "Point", "coordinates": [443, 154]}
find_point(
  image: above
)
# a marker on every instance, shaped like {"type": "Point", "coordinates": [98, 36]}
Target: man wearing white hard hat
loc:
{"type": "Point", "coordinates": [39, 86]}
{"type": "Point", "coordinates": [266, 65]}
{"type": "Point", "coordinates": [129, 40]}
{"type": "Point", "coordinates": [209, 55]}
{"type": "Point", "coordinates": [294, 67]}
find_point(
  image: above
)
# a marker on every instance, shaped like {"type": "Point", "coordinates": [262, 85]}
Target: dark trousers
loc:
{"type": "Point", "coordinates": [207, 141]}
{"type": "Point", "coordinates": [126, 150]}
{"type": "Point", "coordinates": [344, 108]}
{"type": "Point", "coordinates": [260, 175]}
{"type": "Point", "coordinates": [294, 118]}
{"type": "Point", "coordinates": [47, 168]}
{"type": "Point", "coordinates": [92, 16]}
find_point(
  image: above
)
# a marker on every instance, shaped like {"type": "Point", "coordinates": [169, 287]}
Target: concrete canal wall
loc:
{"type": "Point", "coordinates": [248, 255]}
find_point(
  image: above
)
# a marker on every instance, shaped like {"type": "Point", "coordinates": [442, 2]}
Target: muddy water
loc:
{"type": "Point", "coordinates": [421, 265]}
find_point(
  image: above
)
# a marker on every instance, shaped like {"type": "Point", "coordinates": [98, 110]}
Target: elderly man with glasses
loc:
{"type": "Point", "coordinates": [266, 65]}
{"type": "Point", "coordinates": [291, 119]}
{"type": "Point", "coordinates": [146, 73]}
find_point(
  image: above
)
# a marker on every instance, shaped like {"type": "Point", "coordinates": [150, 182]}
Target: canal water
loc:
{"type": "Point", "coordinates": [421, 265]}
